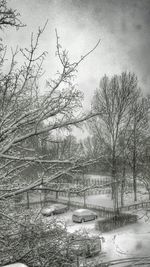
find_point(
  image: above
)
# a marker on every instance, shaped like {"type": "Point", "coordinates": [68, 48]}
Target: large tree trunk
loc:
{"type": "Point", "coordinates": [28, 200]}
{"type": "Point", "coordinates": [123, 186]}
{"type": "Point", "coordinates": [123, 180]}
{"type": "Point", "coordinates": [112, 186]}
{"type": "Point", "coordinates": [113, 175]}
{"type": "Point", "coordinates": [115, 182]}
{"type": "Point", "coordinates": [134, 185]}
{"type": "Point", "coordinates": [134, 171]}
{"type": "Point", "coordinates": [134, 163]}
{"type": "Point", "coordinates": [69, 199]}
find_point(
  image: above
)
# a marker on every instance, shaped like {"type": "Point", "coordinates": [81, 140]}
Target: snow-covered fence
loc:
{"type": "Point", "coordinates": [91, 183]}
{"type": "Point", "coordinates": [93, 191]}
{"type": "Point", "coordinates": [145, 204]}
{"type": "Point", "coordinates": [101, 211]}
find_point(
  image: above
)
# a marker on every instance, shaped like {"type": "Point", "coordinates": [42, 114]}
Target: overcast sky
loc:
{"type": "Point", "coordinates": [122, 25]}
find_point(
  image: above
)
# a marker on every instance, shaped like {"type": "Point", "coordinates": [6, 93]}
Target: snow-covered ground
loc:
{"type": "Point", "coordinates": [105, 200]}
{"type": "Point", "coordinates": [128, 241]}
{"type": "Point", "coordinates": [131, 240]}
{"type": "Point", "coordinates": [100, 199]}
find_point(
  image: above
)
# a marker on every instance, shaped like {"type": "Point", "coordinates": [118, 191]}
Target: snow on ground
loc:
{"type": "Point", "coordinates": [128, 241]}
{"type": "Point", "coordinates": [131, 240]}
{"type": "Point", "coordinates": [101, 200]}
{"type": "Point", "coordinates": [105, 200]}
{"type": "Point", "coordinates": [141, 196]}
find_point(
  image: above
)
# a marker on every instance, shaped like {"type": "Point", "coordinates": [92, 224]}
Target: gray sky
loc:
{"type": "Point", "coordinates": [122, 25]}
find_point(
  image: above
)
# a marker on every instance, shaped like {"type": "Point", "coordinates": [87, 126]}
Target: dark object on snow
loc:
{"type": "Point", "coordinates": [116, 221]}
{"type": "Point", "coordinates": [84, 246]}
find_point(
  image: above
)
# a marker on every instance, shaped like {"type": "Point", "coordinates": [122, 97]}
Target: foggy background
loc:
{"type": "Point", "coordinates": [122, 26]}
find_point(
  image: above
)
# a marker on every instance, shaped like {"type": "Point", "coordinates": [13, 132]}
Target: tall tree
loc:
{"type": "Point", "coordinates": [138, 132]}
{"type": "Point", "coordinates": [112, 101]}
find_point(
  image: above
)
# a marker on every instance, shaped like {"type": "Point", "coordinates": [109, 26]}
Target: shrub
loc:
{"type": "Point", "coordinates": [119, 220]}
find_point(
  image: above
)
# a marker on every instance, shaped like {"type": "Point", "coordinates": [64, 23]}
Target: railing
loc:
{"type": "Point", "coordinates": [102, 211]}
{"type": "Point", "coordinates": [135, 206]}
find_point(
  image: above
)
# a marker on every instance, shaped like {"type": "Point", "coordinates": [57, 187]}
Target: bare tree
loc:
{"type": "Point", "coordinates": [24, 110]}
{"type": "Point", "coordinates": [9, 16]}
{"type": "Point", "coordinates": [28, 120]}
{"type": "Point", "coordinates": [138, 132]}
{"type": "Point", "coordinates": [113, 100]}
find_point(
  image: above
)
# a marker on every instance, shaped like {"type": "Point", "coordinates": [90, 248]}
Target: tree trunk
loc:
{"type": "Point", "coordinates": [84, 193]}
{"type": "Point", "coordinates": [113, 178]}
{"type": "Point", "coordinates": [134, 186]}
{"type": "Point", "coordinates": [112, 187]}
{"type": "Point", "coordinates": [123, 185]}
{"type": "Point", "coordinates": [134, 175]}
{"type": "Point", "coordinates": [134, 166]}
{"type": "Point", "coordinates": [114, 182]}
{"type": "Point", "coordinates": [69, 199]}
{"type": "Point", "coordinates": [84, 199]}
{"type": "Point", "coordinates": [28, 201]}
{"type": "Point", "coordinates": [116, 204]}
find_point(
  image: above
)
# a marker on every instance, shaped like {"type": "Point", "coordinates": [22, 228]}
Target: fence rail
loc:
{"type": "Point", "coordinates": [102, 211]}
{"type": "Point", "coordinates": [135, 206]}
